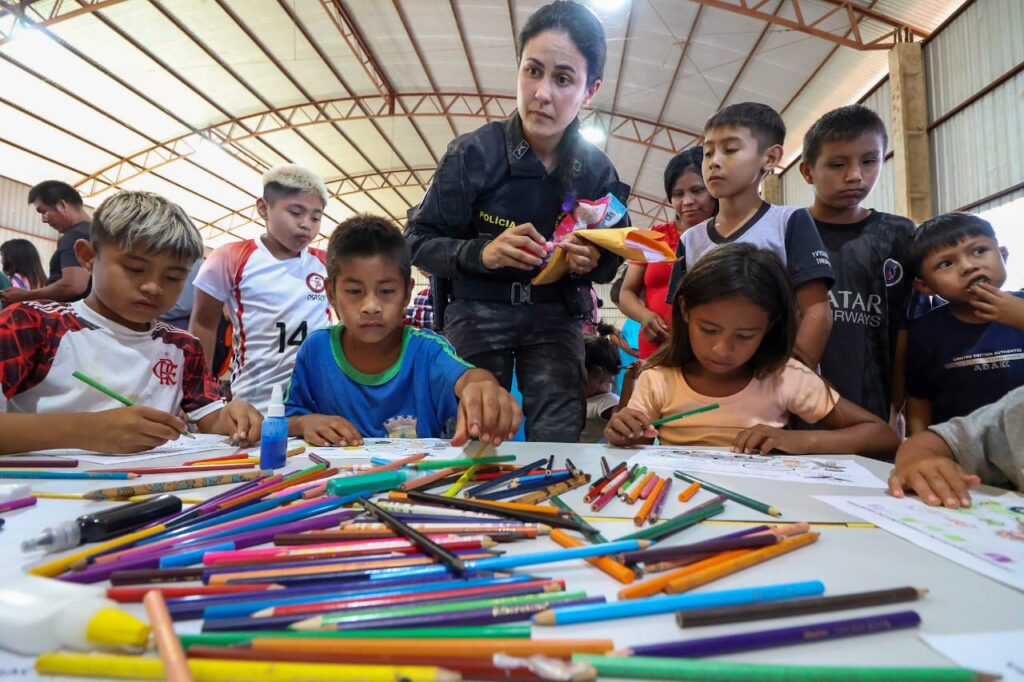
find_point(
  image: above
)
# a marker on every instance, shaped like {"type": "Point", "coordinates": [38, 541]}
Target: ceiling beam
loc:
{"type": "Point", "coordinates": [34, 17]}
{"type": "Point", "coordinates": [349, 32]}
{"type": "Point", "coordinates": [854, 13]}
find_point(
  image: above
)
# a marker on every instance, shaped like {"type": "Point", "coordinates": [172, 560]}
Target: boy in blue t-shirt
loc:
{"type": "Point", "coordinates": [969, 352]}
{"type": "Point", "coordinates": [372, 376]}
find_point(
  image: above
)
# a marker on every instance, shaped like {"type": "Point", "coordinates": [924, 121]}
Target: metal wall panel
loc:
{"type": "Point", "coordinates": [15, 211]}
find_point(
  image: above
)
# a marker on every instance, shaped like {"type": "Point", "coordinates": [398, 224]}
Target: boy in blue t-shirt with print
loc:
{"type": "Point", "coordinates": [373, 376]}
{"type": "Point", "coordinates": [969, 352]}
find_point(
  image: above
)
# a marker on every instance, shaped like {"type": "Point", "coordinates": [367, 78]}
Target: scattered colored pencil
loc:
{"type": "Point", "coordinates": [461, 462]}
{"type": "Point", "coordinates": [585, 529]}
{"type": "Point", "coordinates": [167, 643]}
{"type": "Point", "coordinates": [169, 486]}
{"type": "Point", "coordinates": [550, 491]}
{"type": "Point", "coordinates": [633, 495]}
{"type": "Point", "coordinates": [735, 497]}
{"type": "Point", "coordinates": [471, 648]}
{"type": "Point", "coordinates": [659, 501]}
{"type": "Point", "coordinates": [17, 473]}
{"type": "Point", "coordinates": [641, 516]}
{"type": "Point", "coordinates": [607, 564]}
{"type": "Point", "coordinates": [17, 504]}
{"type": "Point", "coordinates": [435, 550]}
{"type": "Point", "coordinates": [747, 559]}
{"type": "Point", "coordinates": [690, 491]}
{"type": "Point", "coordinates": [680, 415]}
{"type": "Point", "coordinates": [25, 462]}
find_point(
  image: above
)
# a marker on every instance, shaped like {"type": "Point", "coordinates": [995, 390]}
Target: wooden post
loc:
{"type": "Point", "coordinates": [771, 189]}
{"type": "Point", "coordinates": [909, 134]}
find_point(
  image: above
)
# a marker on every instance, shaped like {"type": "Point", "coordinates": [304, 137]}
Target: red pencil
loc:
{"type": "Point", "coordinates": [219, 458]}
{"type": "Point", "coordinates": [18, 462]}
{"type": "Point", "coordinates": [608, 492]}
{"type": "Point", "coordinates": [178, 470]}
{"type": "Point", "coordinates": [600, 485]}
{"type": "Point", "coordinates": [135, 594]}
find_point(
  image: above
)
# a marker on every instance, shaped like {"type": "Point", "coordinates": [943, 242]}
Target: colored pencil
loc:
{"type": "Point", "coordinates": [351, 548]}
{"type": "Point", "coordinates": [11, 505]}
{"type": "Point", "coordinates": [182, 469]}
{"type": "Point", "coordinates": [690, 491]}
{"type": "Point", "coordinates": [606, 564]}
{"type": "Point", "coordinates": [113, 394]}
{"type": "Point", "coordinates": [588, 531]}
{"type": "Point", "coordinates": [746, 560]}
{"type": "Point", "coordinates": [461, 462]}
{"type": "Point", "coordinates": [57, 566]}
{"type": "Point", "coordinates": [225, 639]}
{"type": "Point", "coordinates": [645, 607]}
{"type": "Point", "coordinates": [712, 546]}
{"type": "Point", "coordinates": [167, 643]}
{"type": "Point", "coordinates": [17, 462]}
{"type": "Point", "coordinates": [604, 466]}
{"type": "Point", "coordinates": [609, 490]}
{"type": "Point", "coordinates": [675, 524]}
{"type": "Point", "coordinates": [397, 507]}
{"type": "Point", "coordinates": [562, 648]}
{"type": "Point", "coordinates": [633, 495]}
{"type": "Point", "coordinates": [524, 487]}
{"type": "Point", "coordinates": [499, 510]}
{"type": "Point", "coordinates": [735, 497]}
{"type": "Point", "coordinates": [127, 595]}
{"type": "Point", "coordinates": [375, 531]}
{"type": "Point", "coordinates": [766, 639]}
{"type": "Point", "coordinates": [797, 607]}
{"type": "Point", "coordinates": [493, 506]}
{"type": "Point", "coordinates": [505, 477]}
{"type": "Point", "coordinates": [634, 473]}
{"type": "Point", "coordinates": [649, 487]}
{"type": "Point", "coordinates": [641, 516]}
{"type": "Point", "coordinates": [422, 541]}
{"type": "Point", "coordinates": [218, 670]}
{"type": "Point", "coordinates": [598, 486]}
{"type": "Point", "coordinates": [655, 668]}
{"type": "Point", "coordinates": [18, 473]}
{"type": "Point", "coordinates": [680, 415]}
{"type": "Point", "coordinates": [169, 486]}
{"type": "Point", "coordinates": [218, 458]}
{"type": "Point", "coordinates": [428, 481]}
{"type": "Point", "coordinates": [659, 501]}
{"type": "Point", "coordinates": [550, 491]}
{"type": "Point", "coordinates": [479, 668]}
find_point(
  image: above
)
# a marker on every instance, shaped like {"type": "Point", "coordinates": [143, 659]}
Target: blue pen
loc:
{"type": "Point", "coordinates": [504, 478]}
{"type": "Point", "coordinates": [24, 473]}
{"type": "Point", "coordinates": [536, 483]}
{"type": "Point", "coordinates": [652, 605]}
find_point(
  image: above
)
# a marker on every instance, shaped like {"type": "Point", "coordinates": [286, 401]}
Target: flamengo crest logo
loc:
{"type": "Point", "coordinates": [166, 371]}
{"type": "Point", "coordinates": [315, 282]}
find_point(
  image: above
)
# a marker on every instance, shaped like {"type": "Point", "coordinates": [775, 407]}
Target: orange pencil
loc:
{"type": "Point", "coordinates": [653, 586]}
{"type": "Point", "coordinates": [634, 494]}
{"type": "Point", "coordinates": [559, 648]}
{"type": "Point", "coordinates": [606, 564]}
{"type": "Point", "coordinates": [752, 558]}
{"type": "Point", "coordinates": [645, 511]}
{"type": "Point", "coordinates": [167, 642]}
{"type": "Point", "coordinates": [690, 491]}
{"type": "Point", "coordinates": [423, 481]}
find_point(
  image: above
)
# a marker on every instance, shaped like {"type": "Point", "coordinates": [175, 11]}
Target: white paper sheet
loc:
{"type": "Point", "coordinates": [997, 653]}
{"type": "Point", "coordinates": [797, 469]}
{"type": "Point", "coordinates": [397, 448]}
{"type": "Point", "coordinates": [987, 537]}
{"type": "Point", "coordinates": [202, 442]}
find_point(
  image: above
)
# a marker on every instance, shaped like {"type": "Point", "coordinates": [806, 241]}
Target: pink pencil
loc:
{"type": "Point", "coordinates": [336, 549]}
{"type": "Point", "coordinates": [648, 488]}
{"type": "Point", "coordinates": [17, 504]}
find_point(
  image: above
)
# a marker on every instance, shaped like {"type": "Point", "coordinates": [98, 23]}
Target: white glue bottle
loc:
{"type": "Point", "coordinates": [40, 614]}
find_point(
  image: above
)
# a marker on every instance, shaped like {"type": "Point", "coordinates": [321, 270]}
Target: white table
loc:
{"type": "Point", "coordinates": [846, 559]}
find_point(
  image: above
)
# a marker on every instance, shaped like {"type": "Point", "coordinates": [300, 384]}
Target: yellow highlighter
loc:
{"type": "Point", "coordinates": [222, 670]}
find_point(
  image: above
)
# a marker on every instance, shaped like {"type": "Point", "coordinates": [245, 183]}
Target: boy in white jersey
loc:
{"type": "Point", "coordinates": [142, 247]}
{"type": "Point", "coordinates": [272, 287]}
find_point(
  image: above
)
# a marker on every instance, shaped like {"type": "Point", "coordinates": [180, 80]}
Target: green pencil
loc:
{"type": "Point", "coordinates": [675, 524]}
{"type": "Point", "coordinates": [735, 497]}
{"type": "Point", "coordinates": [593, 534]}
{"type": "Point", "coordinates": [464, 462]}
{"type": "Point", "coordinates": [454, 632]}
{"type": "Point", "coordinates": [673, 417]}
{"type": "Point", "coordinates": [113, 394]}
{"type": "Point", "coordinates": [658, 668]}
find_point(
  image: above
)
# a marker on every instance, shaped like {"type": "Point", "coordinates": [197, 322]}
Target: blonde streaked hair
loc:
{"type": "Point", "coordinates": [146, 221]}
{"type": "Point", "coordinates": [281, 181]}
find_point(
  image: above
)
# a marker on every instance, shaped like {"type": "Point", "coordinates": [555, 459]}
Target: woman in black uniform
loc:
{"type": "Point", "coordinates": [486, 224]}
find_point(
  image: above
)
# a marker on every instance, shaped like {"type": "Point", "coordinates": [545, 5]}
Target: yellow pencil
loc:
{"type": "Point", "coordinates": [58, 566]}
{"type": "Point", "coordinates": [59, 496]}
{"type": "Point", "coordinates": [222, 670]}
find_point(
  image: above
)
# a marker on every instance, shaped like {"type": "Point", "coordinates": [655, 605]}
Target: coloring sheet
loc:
{"type": "Point", "coordinates": [996, 653]}
{"type": "Point", "coordinates": [202, 442]}
{"type": "Point", "coordinates": [987, 537]}
{"type": "Point", "coordinates": [397, 448]}
{"type": "Point", "coordinates": [796, 469]}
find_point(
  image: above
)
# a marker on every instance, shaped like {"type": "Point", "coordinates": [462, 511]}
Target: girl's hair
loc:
{"type": "Point", "coordinates": [736, 269]}
{"type": "Point", "coordinates": [20, 257]}
{"type": "Point", "coordinates": [587, 34]}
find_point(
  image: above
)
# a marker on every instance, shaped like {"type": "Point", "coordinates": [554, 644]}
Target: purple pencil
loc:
{"type": "Point", "coordinates": [800, 634]}
{"type": "Point", "coordinates": [17, 504]}
{"type": "Point", "coordinates": [722, 544]}
{"type": "Point", "coordinates": [659, 503]}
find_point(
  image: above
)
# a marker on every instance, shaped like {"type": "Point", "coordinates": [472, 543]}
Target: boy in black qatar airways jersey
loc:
{"type": "Point", "coordinates": [842, 158]}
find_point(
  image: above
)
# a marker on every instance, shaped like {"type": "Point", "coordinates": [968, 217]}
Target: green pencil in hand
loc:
{"type": "Point", "coordinates": [673, 417]}
{"type": "Point", "coordinates": [113, 394]}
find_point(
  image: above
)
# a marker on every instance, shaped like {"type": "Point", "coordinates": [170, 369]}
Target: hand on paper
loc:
{"type": "Point", "coordinates": [925, 465]}
{"type": "Point", "coordinates": [521, 247]}
{"type": "Point", "coordinates": [581, 256]}
{"type": "Point", "coordinates": [767, 439]}
{"type": "Point", "coordinates": [238, 420]}
{"type": "Point", "coordinates": [486, 410]}
{"type": "Point", "coordinates": [128, 429]}
{"type": "Point", "coordinates": [629, 426]}
{"type": "Point", "coordinates": [325, 430]}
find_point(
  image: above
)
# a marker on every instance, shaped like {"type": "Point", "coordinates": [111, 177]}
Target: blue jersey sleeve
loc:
{"type": "Point", "coordinates": [446, 368]}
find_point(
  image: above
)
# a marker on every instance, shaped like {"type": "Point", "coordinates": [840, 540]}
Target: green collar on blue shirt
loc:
{"type": "Point", "coordinates": [361, 377]}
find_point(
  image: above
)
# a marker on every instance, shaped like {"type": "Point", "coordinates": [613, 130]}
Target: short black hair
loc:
{"type": "Point", "coordinates": [844, 123]}
{"type": "Point", "coordinates": [600, 353]}
{"type": "Point", "coordinates": [687, 160]}
{"type": "Point", "coordinates": [948, 229]}
{"type": "Point", "coordinates": [365, 236]}
{"type": "Point", "coordinates": [52, 191]}
{"type": "Point", "coordinates": [763, 122]}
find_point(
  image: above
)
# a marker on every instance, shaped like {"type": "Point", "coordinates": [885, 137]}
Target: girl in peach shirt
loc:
{"type": "Point", "coordinates": [733, 331]}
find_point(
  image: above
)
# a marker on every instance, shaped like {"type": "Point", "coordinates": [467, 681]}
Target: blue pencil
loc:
{"type": "Point", "coordinates": [20, 473]}
{"type": "Point", "coordinates": [645, 607]}
{"type": "Point", "coordinates": [506, 477]}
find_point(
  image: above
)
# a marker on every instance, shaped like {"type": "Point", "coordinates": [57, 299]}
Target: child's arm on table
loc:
{"type": "Point", "coordinates": [237, 419]}
{"type": "Point", "coordinates": [119, 431]}
{"type": "Point", "coordinates": [486, 410]}
{"type": "Point", "coordinates": [851, 429]}
{"type": "Point", "coordinates": [815, 321]}
{"type": "Point", "coordinates": [925, 465]}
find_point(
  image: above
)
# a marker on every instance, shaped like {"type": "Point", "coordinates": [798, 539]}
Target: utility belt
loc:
{"type": "Point", "coordinates": [575, 295]}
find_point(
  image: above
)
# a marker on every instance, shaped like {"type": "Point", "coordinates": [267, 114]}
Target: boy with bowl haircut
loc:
{"type": "Point", "coordinates": [271, 287]}
{"type": "Point", "coordinates": [142, 247]}
{"type": "Point", "coordinates": [969, 352]}
{"type": "Point", "coordinates": [374, 376]}
{"type": "Point", "coordinates": [742, 143]}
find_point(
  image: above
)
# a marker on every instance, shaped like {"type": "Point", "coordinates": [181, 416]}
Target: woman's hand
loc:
{"type": "Point", "coordinates": [580, 255]}
{"type": "Point", "coordinates": [654, 327]}
{"type": "Point", "coordinates": [521, 247]}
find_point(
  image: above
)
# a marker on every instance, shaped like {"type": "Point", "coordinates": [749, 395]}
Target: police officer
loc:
{"type": "Point", "coordinates": [485, 225]}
